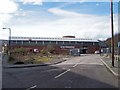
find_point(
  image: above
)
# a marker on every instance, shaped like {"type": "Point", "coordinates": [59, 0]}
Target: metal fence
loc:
{"type": "Point", "coordinates": [109, 50]}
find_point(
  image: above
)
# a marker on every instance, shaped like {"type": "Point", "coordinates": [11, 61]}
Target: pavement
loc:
{"type": "Point", "coordinates": [107, 61]}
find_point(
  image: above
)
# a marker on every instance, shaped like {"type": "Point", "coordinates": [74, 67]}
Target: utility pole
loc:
{"type": "Point", "coordinates": [112, 31]}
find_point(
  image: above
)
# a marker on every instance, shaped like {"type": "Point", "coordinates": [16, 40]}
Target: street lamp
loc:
{"type": "Point", "coordinates": [9, 47]}
{"type": "Point", "coordinates": [112, 31]}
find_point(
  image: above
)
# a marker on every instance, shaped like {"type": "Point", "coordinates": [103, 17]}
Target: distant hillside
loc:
{"type": "Point", "coordinates": [116, 39]}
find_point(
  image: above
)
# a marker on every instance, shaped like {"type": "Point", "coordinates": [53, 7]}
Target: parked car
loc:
{"type": "Point", "coordinates": [97, 52]}
{"type": "Point", "coordinates": [35, 50]}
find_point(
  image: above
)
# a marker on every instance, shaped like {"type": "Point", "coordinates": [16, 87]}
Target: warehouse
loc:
{"type": "Point", "coordinates": [63, 44]}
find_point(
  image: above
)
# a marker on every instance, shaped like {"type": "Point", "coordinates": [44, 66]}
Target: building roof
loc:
{"type": "Point", "coordinates": [53, 39]}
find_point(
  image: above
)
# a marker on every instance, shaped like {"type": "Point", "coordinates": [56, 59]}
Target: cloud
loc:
{"type": "Point", "coordinates": [4, 18]}
{"type": "Point", "coordinates": [67, 14]}
{"type": "Point", "coordinates": [93, 26]}
{"type": "Point", "coordinates": [7, 9]}
{"type": "Point", "coordinates": [60, 12]}
{"type": "Point", "coordinates": [22, 13]}
{"type": "Point", "coordinates": [34, 2]}
{"type": "Point", "coordinates": [7, 6]}
{"type": "Point", "coordinates": [72, 23]}
{"type": "Point", "coordinates": [69, 23]}
{"type": "Point", "coordinates": [97, 4]}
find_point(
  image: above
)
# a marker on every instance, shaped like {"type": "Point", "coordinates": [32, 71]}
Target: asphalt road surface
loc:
{"type": "Point", "coordinates": [86, 71]}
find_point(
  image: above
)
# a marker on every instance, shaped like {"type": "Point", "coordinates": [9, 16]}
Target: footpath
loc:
{"type": "Point", "coordinates": [107, 61]}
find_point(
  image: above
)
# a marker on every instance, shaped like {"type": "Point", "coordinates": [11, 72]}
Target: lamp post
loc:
{"type": "Point", "coordinates": [9, 47]}
{"type": "Point", "coordinates": [112, 32]}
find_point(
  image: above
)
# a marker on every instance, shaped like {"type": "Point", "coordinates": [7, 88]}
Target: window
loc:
{"type": "Point", "coordinates": [88, 43]}
{"type": "Point", "coordinates": [39, 42]}
{"type": "Point", "coordinates": [53, 42]}
{"type": "Point", "coordinates": [19, 42]}
{"type": "Point", "coordinates": [79, 43]}
{"type": "Point", "coordinates": [66, 42]}
{"type": "Point", "coordinates": [33, 43]}
{"type": "Point", "coordinates": [46, 42]}
{"type": "Point", "coordinates": [13, 41]}
{"type": "Point", "coordinates": [25, 42]}
{"type": "Point", "coordinates": [72, 42]}
{"type": "Point", "coordinates": [60, 42]}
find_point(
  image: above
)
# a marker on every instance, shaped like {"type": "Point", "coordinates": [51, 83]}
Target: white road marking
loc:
{"type": "Point", "coordinates": [32, 87]}
{"type": "Point", "coordinates": [65, 71]}
{"type": "Point", "coordinates": [62, 73]}
{"type": "Point", "coordinates": [75, 65]}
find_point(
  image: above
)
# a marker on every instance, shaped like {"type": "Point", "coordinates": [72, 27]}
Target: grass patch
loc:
{"type": "Point", "coordinates": [42, 59]}
{"type": "Point", "coordinates": [34, 58]}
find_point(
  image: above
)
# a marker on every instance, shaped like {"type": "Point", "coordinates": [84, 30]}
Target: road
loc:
{"type": "Point", "coordinates": [86, 71]}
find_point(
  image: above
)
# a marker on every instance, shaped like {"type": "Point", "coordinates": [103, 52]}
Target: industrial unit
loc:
{"type": "Point", "coordinates": [64, 44]}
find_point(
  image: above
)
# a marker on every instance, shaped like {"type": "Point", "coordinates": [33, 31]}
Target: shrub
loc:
{"type": "Point", "coordinates": [19, 50]}
{"type": "Point", "coordinates": [44, 51]}
{"type": "Point", "coordinates": [11, 59]}
{"type": "Point", "coordinates": [50, 49]}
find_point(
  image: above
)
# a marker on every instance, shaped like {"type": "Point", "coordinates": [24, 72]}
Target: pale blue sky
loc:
{"type": "Point", "coordinates": [56, 19]}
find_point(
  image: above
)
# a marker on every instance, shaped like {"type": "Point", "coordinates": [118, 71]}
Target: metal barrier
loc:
{"type": "Point", "coordinates": [117, 57]}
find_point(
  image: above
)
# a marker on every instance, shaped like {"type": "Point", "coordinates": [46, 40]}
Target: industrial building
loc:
{"type": "Point", "coordinates": [63, 44]}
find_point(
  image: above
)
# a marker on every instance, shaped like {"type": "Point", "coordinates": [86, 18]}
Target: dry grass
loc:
{"type": "Point", "coordinates": [34, 58]}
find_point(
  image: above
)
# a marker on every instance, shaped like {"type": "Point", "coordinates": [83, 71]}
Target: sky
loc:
{"type": "Point", "coordinates": [57, 18]}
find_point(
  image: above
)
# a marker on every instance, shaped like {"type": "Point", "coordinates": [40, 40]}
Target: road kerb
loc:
{"type": "Point", "coordinates": [60, 61]}
{"type": "Point", "coordinates": [115, 74]}
{"type": "Point", "coordinates": [32, 65]}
